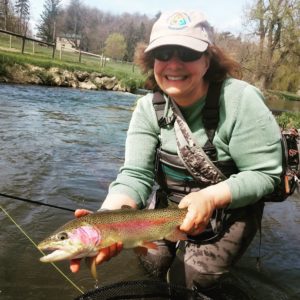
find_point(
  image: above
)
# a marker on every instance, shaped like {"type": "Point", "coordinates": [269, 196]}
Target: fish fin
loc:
{"type": "Point", "coordinates": [91, 262]}
{"type": "Point", "coordinates": [140, 250]}
{"type": "Point", "coordinates": [143, 248]}
{"type": "Point", "coordinates": [176, 235]}
{"type": "Point", "coordinates": [149, 245]}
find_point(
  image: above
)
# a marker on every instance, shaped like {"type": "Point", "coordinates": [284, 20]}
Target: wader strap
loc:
{"type": "Point", "coordinates": [211, 109]}
{"type": "Point", "coordinates": [192, 155]}
{"type": "Point", "coordinates": [159, 104]}
{"type": "Point", "coordinates": [211, 116]}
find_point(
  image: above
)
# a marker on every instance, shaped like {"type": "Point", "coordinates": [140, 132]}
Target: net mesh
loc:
{"type": "Point", "coordinates": [145, 289]}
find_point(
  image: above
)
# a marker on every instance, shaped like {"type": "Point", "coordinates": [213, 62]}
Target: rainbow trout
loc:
{"type": "Point", "coordinates": [85, 236]}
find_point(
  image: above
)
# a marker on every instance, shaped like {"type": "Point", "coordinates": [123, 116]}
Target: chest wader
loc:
{"type": "Point", "coordinates": [199, 166]}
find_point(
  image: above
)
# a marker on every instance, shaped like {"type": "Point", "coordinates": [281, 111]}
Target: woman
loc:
{"type": "Point", "coordinates": [182, 63]}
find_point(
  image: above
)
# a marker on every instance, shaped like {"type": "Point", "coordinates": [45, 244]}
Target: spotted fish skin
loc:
{"type": "Point", "coordinates": [85, 236]}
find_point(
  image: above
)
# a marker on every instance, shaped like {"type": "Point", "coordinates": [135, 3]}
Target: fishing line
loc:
{"type": "Point", "coordinates": [36, 202]}
{"type": "Point", "coordinates": [35, 245]}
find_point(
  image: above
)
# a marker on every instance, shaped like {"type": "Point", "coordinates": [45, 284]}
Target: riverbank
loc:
{"type": "Point", "coordinates": [41, 70]}
{"type": "Point", "coordinates": [55, 76]}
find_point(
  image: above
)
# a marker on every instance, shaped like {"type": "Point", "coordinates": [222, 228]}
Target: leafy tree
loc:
{"type": "Point", "coordinates": [47, 25]}
{"type": "Point", "coordinates": [276, 24]}
{"type": "Point", "coordinates": [22, 8]}
{"type": "Point", "coordinates": [115, 46]}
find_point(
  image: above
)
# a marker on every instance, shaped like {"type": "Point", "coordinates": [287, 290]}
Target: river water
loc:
{"type": "Point", "coordinates": [63, 147]}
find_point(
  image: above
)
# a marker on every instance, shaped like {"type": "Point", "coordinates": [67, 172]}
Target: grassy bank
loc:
{"type": "Point", "coordinates": [126, 73]}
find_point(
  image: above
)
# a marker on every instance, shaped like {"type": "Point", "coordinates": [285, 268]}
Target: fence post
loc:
{"type": "Point", "coordinates": [23, 44]}
{"type": "Point", "coordinates": [60, 52]}
{"type": "Point", "coordinates": [53, 51]}
{"type": "Point", "coordinates": [33, 47]}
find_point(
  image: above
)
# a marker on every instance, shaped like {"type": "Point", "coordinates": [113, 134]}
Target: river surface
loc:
{"type": "Point", "coordinates": [63, 147]}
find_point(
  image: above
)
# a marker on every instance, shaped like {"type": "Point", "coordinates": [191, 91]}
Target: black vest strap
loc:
{"type": "Point", "coordinates": [159, 104]}
{"type": "Point", "coordinates": [211, 115]}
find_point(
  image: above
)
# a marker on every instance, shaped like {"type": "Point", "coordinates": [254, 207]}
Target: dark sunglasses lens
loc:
{"type": "Point", "coordinates": [187, 55]}
{"type": "Point", "coordinates": [163, 54]}
{"type": "Point", "coordinates": [184, 54]}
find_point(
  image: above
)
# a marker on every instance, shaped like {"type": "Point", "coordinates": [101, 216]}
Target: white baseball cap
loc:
{"type": "Point", "coordinates": [182, 28]}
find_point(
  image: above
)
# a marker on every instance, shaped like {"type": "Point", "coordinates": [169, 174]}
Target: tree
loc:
{"type": "Point", "coordinates": [115, 46]}
{"type": "Point", "coordinates": [133, 33]}
{"type": "Point", "coordinates": [276, 23]}
{"type": "Point", "coordinates": [73, 21]}
{"type": "Point", "coordinates": [22, 8]}
{"type": "Point", "coordinates": [4, 13]}
{"type": "Point", "coordinates": [46, 28]}
{"type": "Point", "coordinates": [94, 26]}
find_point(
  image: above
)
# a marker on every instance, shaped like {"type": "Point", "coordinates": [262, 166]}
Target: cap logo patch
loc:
{"type": "Point", "coordinates": [178, 21]}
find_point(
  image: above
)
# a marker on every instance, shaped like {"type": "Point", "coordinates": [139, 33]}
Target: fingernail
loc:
{"type": "Point", "coordinates": [74, 268]}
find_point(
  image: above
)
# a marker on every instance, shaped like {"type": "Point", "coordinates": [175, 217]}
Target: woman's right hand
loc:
{"type": "Point", "coordinates": [104, 254]}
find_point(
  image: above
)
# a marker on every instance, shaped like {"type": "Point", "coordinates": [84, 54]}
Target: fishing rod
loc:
{"type": "Point", "coordinates": [36, 202]}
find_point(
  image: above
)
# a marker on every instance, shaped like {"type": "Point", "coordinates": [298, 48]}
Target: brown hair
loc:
{"type": "Point", "coordinates": [221, 65]}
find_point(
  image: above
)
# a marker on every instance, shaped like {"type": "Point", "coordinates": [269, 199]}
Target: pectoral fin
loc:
{"type": "Point", "coordinates": [143, 248]}
{"type": "Point", "coordinates": [140, 250]}
{"type": "Point", "coordinates": [176, 235]}
{"type": "Point", "coordinates": [91, 262]}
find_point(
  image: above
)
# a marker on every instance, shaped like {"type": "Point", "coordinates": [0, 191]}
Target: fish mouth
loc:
{"type": "Point", "coordinates": [64, 251]}
{"type": "Point", "coordinates": [59, 252]}
{"type": "Point", "coordinates": [57, 255]}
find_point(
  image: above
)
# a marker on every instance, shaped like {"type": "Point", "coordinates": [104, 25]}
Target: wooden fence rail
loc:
{"type": "Point", "coordinates": [70, 55]}
{"type": "Point", "coordinates": [24, 38]}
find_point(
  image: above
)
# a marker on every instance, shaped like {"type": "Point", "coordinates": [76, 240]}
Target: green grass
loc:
{"type": "Point", "coordinates": [289, 120]}
{"type": "Point", "coordinates": [10, 53]}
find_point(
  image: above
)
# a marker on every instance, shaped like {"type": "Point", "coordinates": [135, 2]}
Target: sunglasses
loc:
{"type": "Point", "coordinates": [184, 54]}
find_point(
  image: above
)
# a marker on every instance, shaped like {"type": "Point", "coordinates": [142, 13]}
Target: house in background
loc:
{"type": "Point", "coordinates": [68, 42]}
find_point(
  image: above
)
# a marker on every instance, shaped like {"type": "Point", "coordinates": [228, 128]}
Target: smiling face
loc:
{"type": "Point", "coordinates": [183, 81]}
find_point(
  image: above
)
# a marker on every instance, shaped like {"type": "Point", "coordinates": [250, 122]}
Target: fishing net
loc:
{"type": "Point", "coordinates": [145, 289]}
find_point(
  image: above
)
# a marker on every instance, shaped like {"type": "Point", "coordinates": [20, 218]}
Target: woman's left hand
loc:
{"type": "Point", "coordinates": [200, 206]}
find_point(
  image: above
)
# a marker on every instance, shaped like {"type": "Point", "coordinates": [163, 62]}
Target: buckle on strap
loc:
{"type": "Point", "coordinates": [165, 121]}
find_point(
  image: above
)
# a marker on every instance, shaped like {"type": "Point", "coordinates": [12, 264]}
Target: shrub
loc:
{"type": "Point", "coordinates": [289, 120]}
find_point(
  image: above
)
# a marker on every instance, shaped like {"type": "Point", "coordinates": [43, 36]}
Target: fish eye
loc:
{"type": "Point", "coordinates": [62, 236]}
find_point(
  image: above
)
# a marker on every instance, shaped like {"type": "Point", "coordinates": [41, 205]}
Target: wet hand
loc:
{"type": "Point", "coordinates": [200, 208]}
{"type": "Point", "coordinates": [104, 254]}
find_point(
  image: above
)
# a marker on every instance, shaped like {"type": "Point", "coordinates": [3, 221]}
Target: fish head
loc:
{"type": "Point", "coordinates": [70, 243]}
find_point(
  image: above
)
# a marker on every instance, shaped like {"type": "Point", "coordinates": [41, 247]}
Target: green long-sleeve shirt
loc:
{"type": "Point", "coordinates": [247, 133]}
